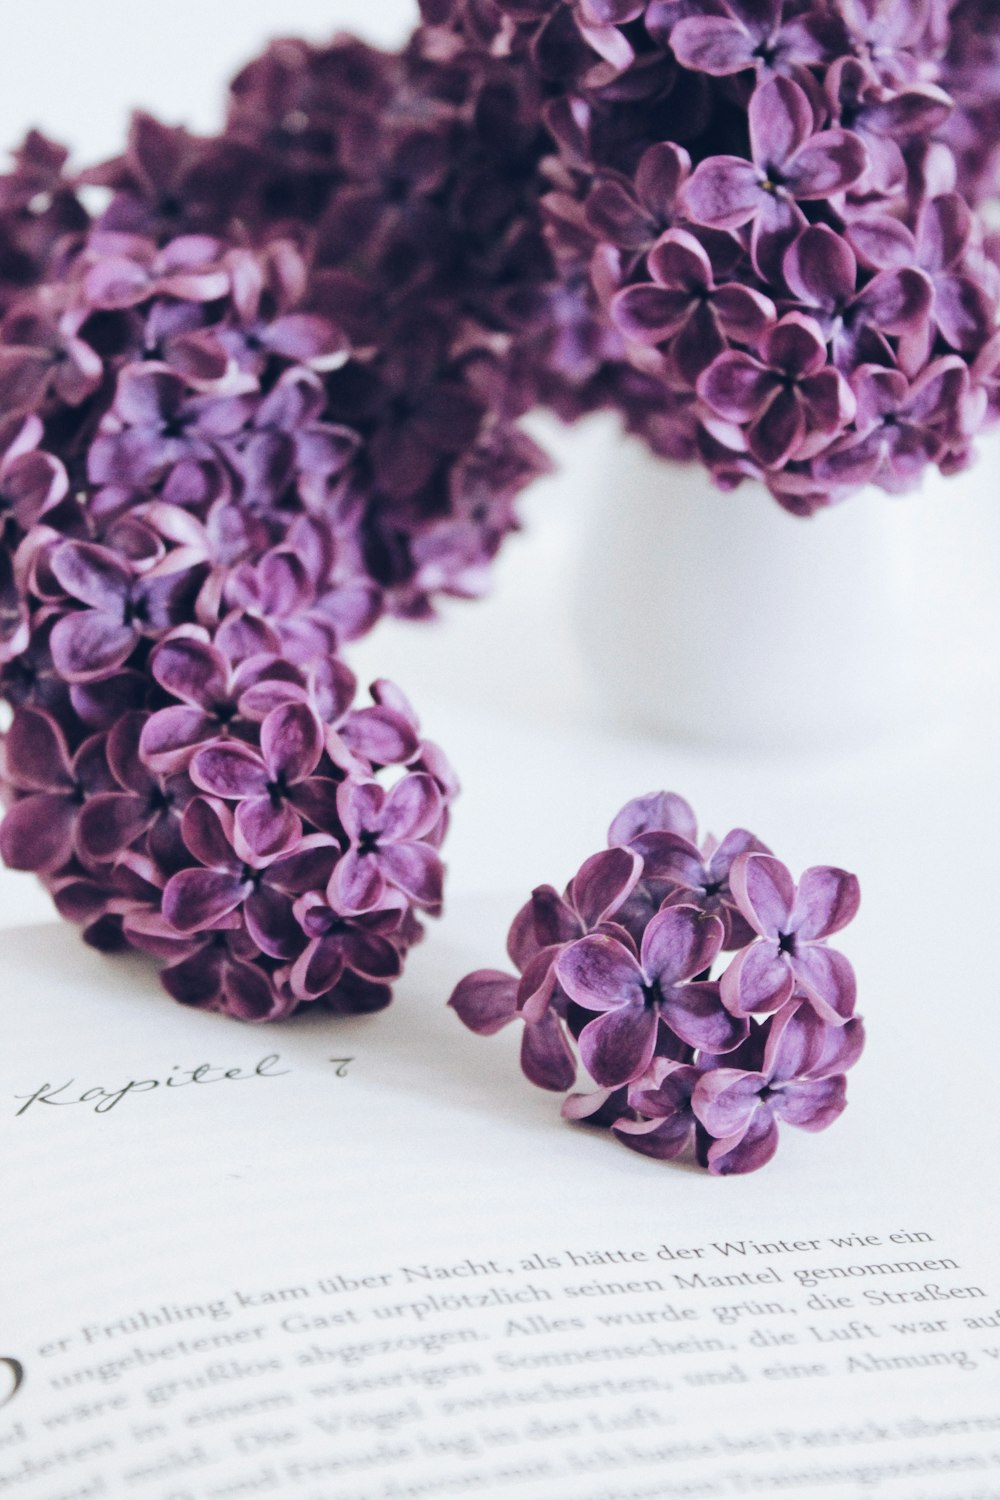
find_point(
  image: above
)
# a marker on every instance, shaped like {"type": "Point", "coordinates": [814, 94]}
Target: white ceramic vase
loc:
{"type": "Point", "coordinates": [721, 618]}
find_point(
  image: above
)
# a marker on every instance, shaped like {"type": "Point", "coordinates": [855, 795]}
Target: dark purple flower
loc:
{"type": "Point", "coordinates": [121, 606]}
{"type": "Point", "coordinates": [41, 829]}
{"type": "Point", "coordinates": [900, 426]}
{"type": "Point", "coordinates": [274, 787]}
{"type": "Point", "coordinates": [790, 163]}
{"type": "Point", "coordinates": [791, 952]}
{"type": "Point", "coordinates": [663, 1122]}
{"type": "Point", "coordinates": [685, 313]}
{"type": "Point", "coordinates": [230, 876]}
{"type": "Point", "coordinates": [633, 995]}
{"type": "Point", "coordinates": [800, 1080]}
{"type": "Point", "coordinates": [388, 851]}
{"type": "Point", "coordinates": [754, 34]}
{"type": "Point", "coordinates": [791, 401]}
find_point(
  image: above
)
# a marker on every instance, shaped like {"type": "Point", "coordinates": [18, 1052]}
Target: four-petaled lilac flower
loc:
{"type": "Point", "coordinates": [794, 924]}
{"type": "Point", "coordinates": [790, 163]}
{"type": "Point", "coordinates": [388, 850]}
{"type": "Point", "coordinates": [232, 877]}
{"type": "Point", "coordinates": [122, 605]}
{"type": "Point", "coordinates": [635, 994]}
{"type": "Point", "coordinates": [275, 787]}
{"type": "Point", "coordinates": [754, 34]}
{"type": "Point", "coordinates": [682, 304]}
{"type": "Point", "coordinates": [664, 1120]}
{"type": "Point", "coordinates": [41, 828]}
{"type": "Point", "coordinates": [792, 401]}
{"type": "Point", "coordinates": [901, 425]}
{"type": "Point", "coordinates": [799, 1079]}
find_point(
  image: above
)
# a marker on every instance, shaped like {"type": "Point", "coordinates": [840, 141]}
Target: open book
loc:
{"type": "Point", "coordinates": [365, 1260]}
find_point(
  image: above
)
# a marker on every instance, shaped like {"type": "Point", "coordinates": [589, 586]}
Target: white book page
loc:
{"type": "Point", "coordinates": [366, 1260]}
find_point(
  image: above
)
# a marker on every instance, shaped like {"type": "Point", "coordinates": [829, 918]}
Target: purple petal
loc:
{"type": "Point", "coordinates": [485, 1001]}
{"type": "Point", "coordinates": [658, 177]}
{"type": "Point", "coordinates": [196, 980]}
{"type": "Point", "coordinates": [380, 735]}
{"type": "Point", "coordinates": [764, 891]}
{"type": "Point", "coordinates": [664, 812]}
{"type": "Point", "coordinates": [291, 741]}
{"type": "Point", "coordinates": [412, 808]}
{"type": "Point", "coordinates": [110, 823]}
{"type": "Point", "coordinates": [600, 974]}
{"type": "Point", "coordinates": [757, 981]}
{"type": "Point", "coordinates": [813, 1105]}
{"type": "Point", "coordinates": [663, 1139]}
{"type": "Point", "coordinates": [319, 968]}
{"type": "Point", "coordinates": [265, 828]}
{"type": "Point", "coordinates": [191, 670]}
{"type": "Point", "coordinates": [896, 301]}
{"type": "Point", "coordinates": [417, 871]}
{"type": "Point", "coordinates": [781, 120]}
{"type": "Point", "coordinates": [712, 44]}
{"type": "Point", "coordinates": [840, 1048]}
{"type": "Point", "coordinates": [648, 313]}
{"type": "Point", "coordinates": [827, 164]}
{"type": "Point", "coordinates": [93, 575]}
{"type": "Point", "coordinates": [743, 314]}
{"type": "Point", "coordinates": [666, 856]}
{"type": "Point", "coordinates": [35, 751]}
{"type": "Point", "coordinates": [820, 267]}
{"type": "Point", "coordinates": [827, 978]}
{"type": "Point", "coordinates": [546, 1056]}
{"type": "Point", "coordinates": [618, 1046]}
{"type": "Point", "coordinates": [603, 883]}
{"type": "Point", "coordinates": [695, 1013]}
{"type": "Point", "coordinates": [357, 884]}
{"type": "Point", "coordinates": [737, 386]}
{"type": "Point", "coordinates": [724, 192]}
{"type": "Point", "coordinates": [37, 833]}
{"type": "Point", "coordinates": [147, 395]}
{"type": "Point", "coordinates": [171, 736]}
{"type": "Point", "coordinates": [229, 769]}
{"type": "Point", "coordinates": [827, 900]}
{"type": "Point", "coordinates": [194, 900]}
{"type": "Point", "coordinates": [726, 1100]}
{"type": "Point", "coordinates": [89, 645]}
{"type": "Point", "coordinates": [271, 924]}
{"type": "Point", "coordinates": [544, 920]}
{"type": "Point", "coordinates": [679, 943]}
{"type": "Point", "coordinates": [207, 831]}
{"type": "Point", "coordinates": [250, 995]}
{"type": "Point", "coordinates": [747, 1152]}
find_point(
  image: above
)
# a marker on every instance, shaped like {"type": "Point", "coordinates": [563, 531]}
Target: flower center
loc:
{"type": "Point", "coordinates": [786, 943]}
{"type": "Point", "coordinates": [367, 842]}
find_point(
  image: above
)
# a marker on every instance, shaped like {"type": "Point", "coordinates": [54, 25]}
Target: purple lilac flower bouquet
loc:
{"type": "Point", "coordinates": [247, 405]}
{"type": "Point", "coordinates": [771, 204]}
{"type": "Point", "coordinates": [616, 974]}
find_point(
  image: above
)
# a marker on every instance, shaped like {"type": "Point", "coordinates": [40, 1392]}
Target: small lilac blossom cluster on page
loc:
{"type": "Point", "coordinates": [772, 203]}
{"type": "Point", "coordinates": [616, 974]}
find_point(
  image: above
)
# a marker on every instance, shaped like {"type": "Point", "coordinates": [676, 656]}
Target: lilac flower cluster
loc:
{"type": "Point", "coordinates": [236, 826]}
{"type": "Point", "coordinates": [297, 317]}
{"type": "Point", "coordinates": [771, 203]}
{"type": "Point", "coordinates": [252, 397]}
{"type": "Point", "coordinates": [617, 971]}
